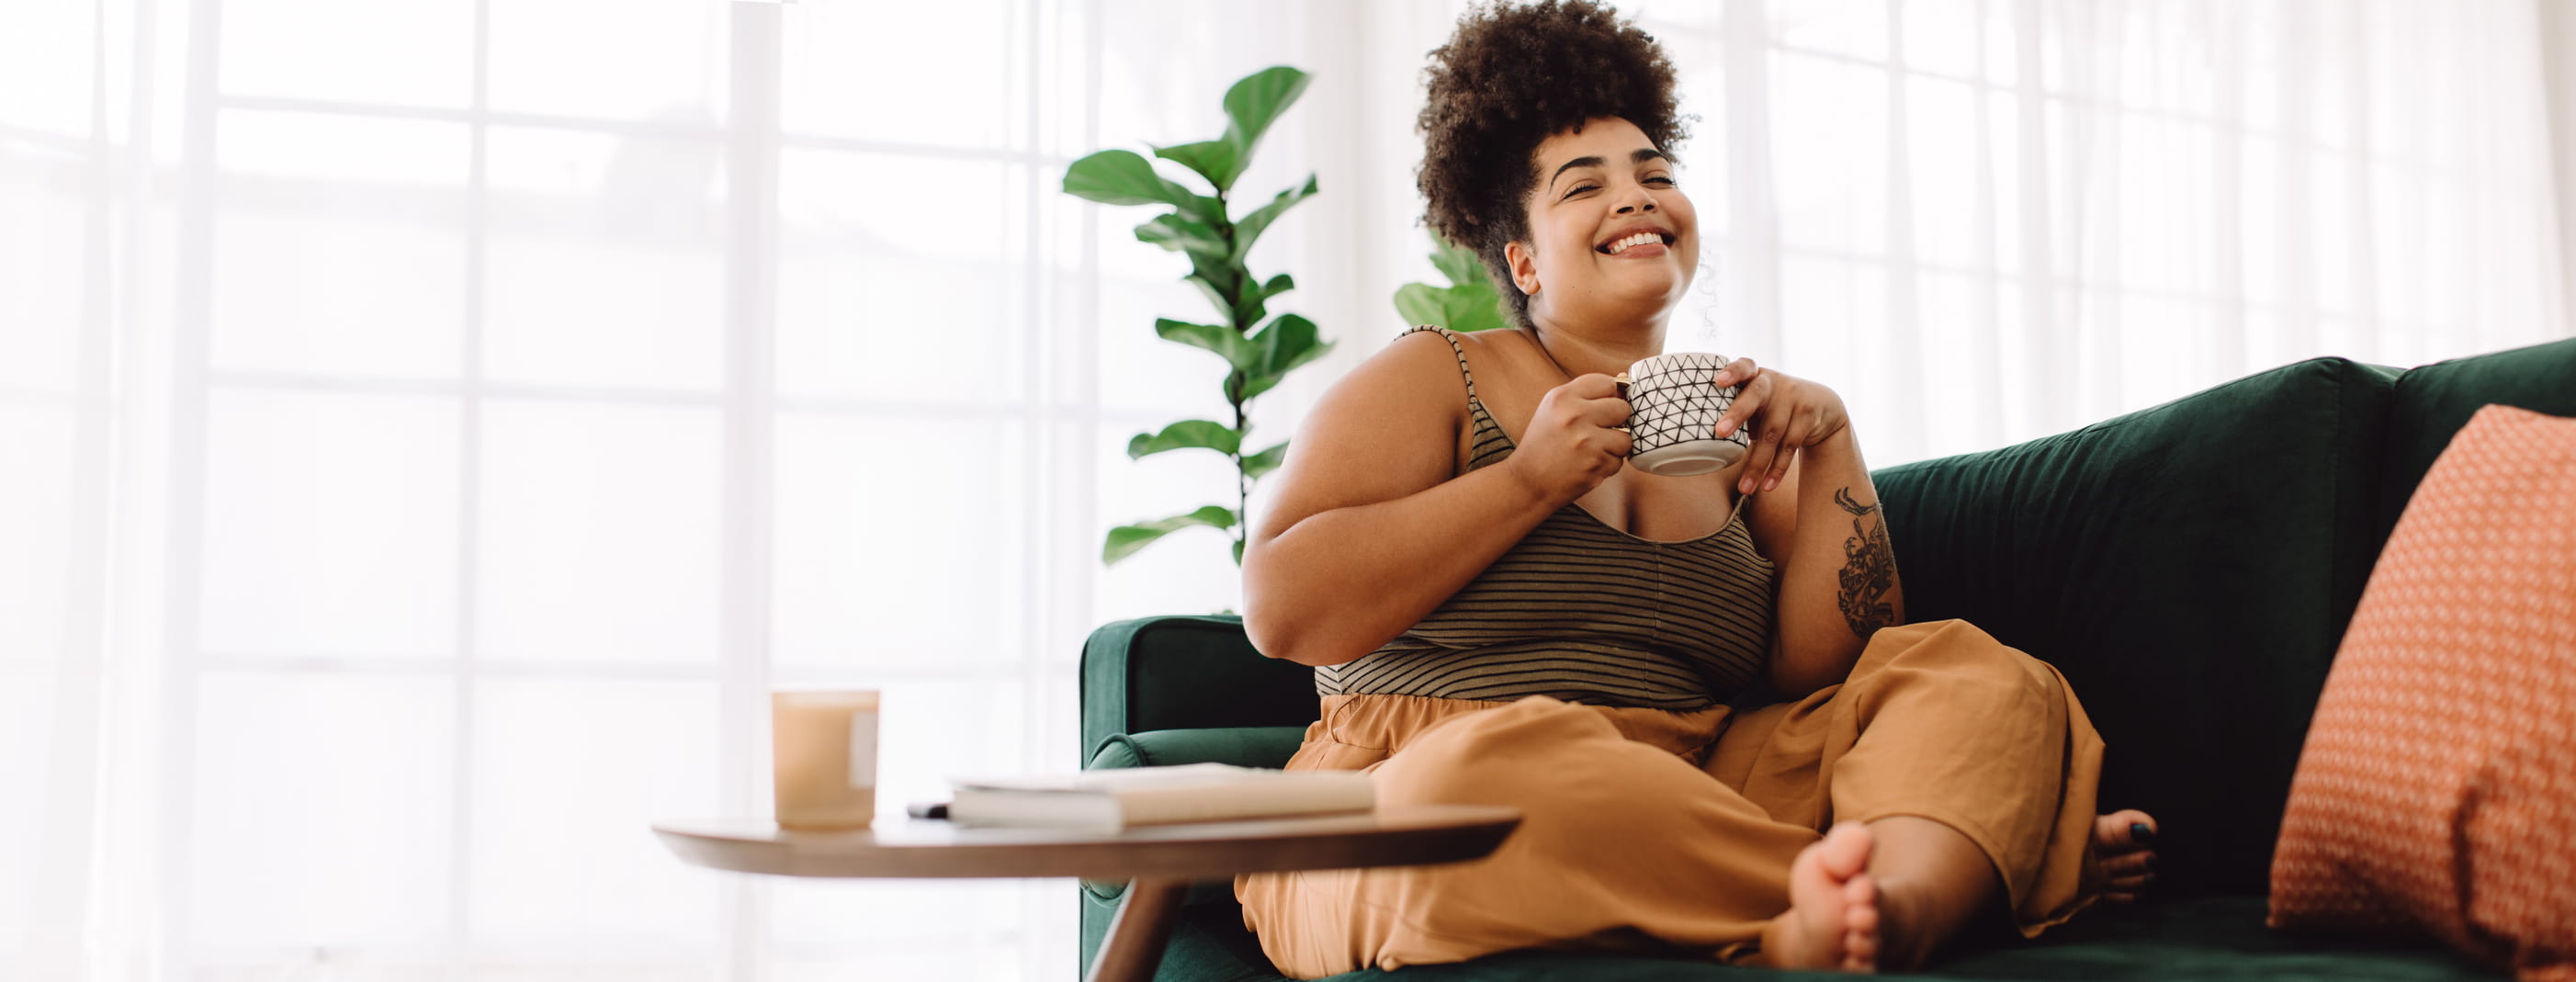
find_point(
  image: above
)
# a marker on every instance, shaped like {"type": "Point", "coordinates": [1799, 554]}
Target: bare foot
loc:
{"type": "Point", "coordinates": [2123, 853]}
{"type": "Point", "coordinates": [1832, 921]}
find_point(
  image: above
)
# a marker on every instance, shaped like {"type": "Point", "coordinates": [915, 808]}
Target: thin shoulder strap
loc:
{"type": "Point", "coordinates": [1452, 338]}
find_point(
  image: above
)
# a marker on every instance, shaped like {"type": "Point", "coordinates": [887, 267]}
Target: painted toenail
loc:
{"type": "Point", "coordinates": [2141, 832]}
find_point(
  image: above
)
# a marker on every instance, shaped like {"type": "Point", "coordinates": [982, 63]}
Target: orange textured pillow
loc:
{"type": "Point", "coordinates": [2437, 790]}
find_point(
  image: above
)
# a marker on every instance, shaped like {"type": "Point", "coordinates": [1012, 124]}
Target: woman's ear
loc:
{"type": "Point", "coordinates": [1524, 264]}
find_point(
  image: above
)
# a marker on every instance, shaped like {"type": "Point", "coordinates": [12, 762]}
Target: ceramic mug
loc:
{"type": "Point", "coordinates": [1674, 405]}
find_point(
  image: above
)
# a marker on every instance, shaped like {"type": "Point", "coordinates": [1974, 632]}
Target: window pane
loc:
{"type": "Point", "coordinates": [330, 525]}
{"type": "Point", "coordinates": [43, 250]}
{"type": "Point", "coordinates": [322, 810]}
{"type": "Point", "coordinates": [1834, 307]}
{"type": "Point", "coordinates": [605, 263]}
{"type": "Point", "coordinates": [917, 73]}
{"type": "Point", "coordinates": [1831, 164]}
{"type": "Point", "coordinates": [339, 245]}
{"type": "Point", "coordinates": [45, 65]}
{"type": "Point", "coordinates": [37, 514]}
{"type": "Point", "coordinates": [1950, 197]}
{"type": "Point", "coordinates": [900, 274]}
{"type": "Point", "coordinates": [873, 569]}
{"type": "Point", "coordinates": [417, 54]}
{"type": "Point", "coordinates": [599, 532]}
{"type": "Point", "coordinates": [1942, 35]}
{"type": "Point", "coordinates": [27, 706]}
{"type": "Point", "coordinates": [662, 60]}
{"type": "Point", "coordinates": [568, 778]}
{"type": "Point", "coordinates": [1846, 27]}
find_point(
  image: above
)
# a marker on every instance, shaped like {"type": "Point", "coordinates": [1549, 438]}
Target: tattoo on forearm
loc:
{"type": "Point", "coordinates": [1869, 568]}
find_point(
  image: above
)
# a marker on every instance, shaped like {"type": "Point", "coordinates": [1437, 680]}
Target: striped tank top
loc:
{"type": "Point", "coordinates": [1583, 612]}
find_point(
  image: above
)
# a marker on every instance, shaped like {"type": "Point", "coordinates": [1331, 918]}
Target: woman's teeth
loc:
{"type": "Point", "coordinates": [1641, 238]}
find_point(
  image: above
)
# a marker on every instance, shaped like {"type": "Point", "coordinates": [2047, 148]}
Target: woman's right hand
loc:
{"type": "Point", "coordinates": [1573, 442]}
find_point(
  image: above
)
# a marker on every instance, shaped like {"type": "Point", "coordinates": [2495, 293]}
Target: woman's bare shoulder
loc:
{"type": "Point", "coordinates": [1387, 429]}
{"type": "Point", "coordinates": [1418, 371]}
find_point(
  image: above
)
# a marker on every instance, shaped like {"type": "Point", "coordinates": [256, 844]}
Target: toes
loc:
{"type": "Point", "coordinates": [1860, 924]}
{"type": "Point", "coordinates": [2123, 830]}
{"type": "Point", "coordinates": [2131, 864]}
{"type": "Point", "coordinates": [1845, 850]}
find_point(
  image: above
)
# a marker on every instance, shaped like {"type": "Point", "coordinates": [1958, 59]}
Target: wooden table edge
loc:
{"type": "Point", "coordinates": [1423, 835]}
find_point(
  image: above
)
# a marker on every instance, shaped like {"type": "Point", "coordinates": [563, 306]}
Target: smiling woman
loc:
{"type": "Point", "coordinates": [1500, 610]}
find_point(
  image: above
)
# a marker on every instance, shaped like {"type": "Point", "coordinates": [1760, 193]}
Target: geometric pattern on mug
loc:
{"type": "Point", "coordinates": [1672, 402]}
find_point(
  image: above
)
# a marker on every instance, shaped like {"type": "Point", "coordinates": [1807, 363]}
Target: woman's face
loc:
{"type": "Point", "coordinates": [1610, 233]}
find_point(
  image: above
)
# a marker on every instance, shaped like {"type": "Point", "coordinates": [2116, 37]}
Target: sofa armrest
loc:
{"type": "Point", "coordinates": [1242, 746]}
{"type": "Point", "coordinates": [1186, 673]}
{"type": "Point", "coordinates": [1251, 746]}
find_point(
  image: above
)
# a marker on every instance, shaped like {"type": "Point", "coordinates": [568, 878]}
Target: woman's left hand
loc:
{"type": "Point", "coordinates": [1787, 415]}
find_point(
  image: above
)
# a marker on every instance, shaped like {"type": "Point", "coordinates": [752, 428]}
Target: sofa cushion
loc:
{"type": "Point", "coordinates": [2189, 568]}
{"type": "Point", "coordinates": [2216, 938]}
{"type": "Point", "coordinates": [2433, 793]}
{"type": "Point", "coordinates": [2434, 401]}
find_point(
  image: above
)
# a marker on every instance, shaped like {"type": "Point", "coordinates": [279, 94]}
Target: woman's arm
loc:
{"type": "Point", "coordinates": [1820, 521]}
{"type": "Point", "coordinates": [1838, 581]}
{"type": "Point", "coordinates": [1370, 531]}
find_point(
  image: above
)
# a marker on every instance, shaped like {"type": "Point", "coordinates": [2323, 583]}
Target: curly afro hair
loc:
{"type": "Point", "coordinates": [1514, 75]}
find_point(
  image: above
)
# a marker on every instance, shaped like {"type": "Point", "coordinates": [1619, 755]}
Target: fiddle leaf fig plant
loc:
{"type": "Point", "coordinates": [1259, 349]}
{"type": "Point", "coordinates": [1468, 303]}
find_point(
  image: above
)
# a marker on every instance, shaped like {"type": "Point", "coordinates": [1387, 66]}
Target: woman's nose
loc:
{"type": "Point", "coordinates": [1643, 202]}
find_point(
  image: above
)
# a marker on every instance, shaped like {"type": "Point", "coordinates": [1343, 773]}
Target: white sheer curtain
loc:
{"type": "Point", "coordinates": [1989, 220]}
{"type": "Point", "coordinates": [431, 426]}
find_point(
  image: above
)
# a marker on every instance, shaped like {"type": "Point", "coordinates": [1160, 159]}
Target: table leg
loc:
{"type": "Point", "coordinates": [1137, 934]}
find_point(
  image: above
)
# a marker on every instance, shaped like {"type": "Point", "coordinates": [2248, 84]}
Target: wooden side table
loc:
{"type": "Point", "coordinates": [1160, 861]}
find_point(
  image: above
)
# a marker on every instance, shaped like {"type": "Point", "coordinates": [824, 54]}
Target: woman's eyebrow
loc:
{"type": "Point", "coordinates": [1638, 157]}
{"type": "Point", "coordinates": [1570, 165]}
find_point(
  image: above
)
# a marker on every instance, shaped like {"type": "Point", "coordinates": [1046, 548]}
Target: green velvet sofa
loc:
{"type": "Point", "coordinates": [2190, 568]}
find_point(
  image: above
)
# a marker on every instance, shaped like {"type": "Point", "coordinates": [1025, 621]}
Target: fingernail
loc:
{"type": "Point", "coordinates": [2147, 881]}
{"type": "Point", "coordinates": [1725, 426]}
{"type": "Point", "coordinates": [1744, 486]}
{"type": "Point", "coordinates": [1772, 483]}
{"type": "Point", "coordinates": [2141, 832]}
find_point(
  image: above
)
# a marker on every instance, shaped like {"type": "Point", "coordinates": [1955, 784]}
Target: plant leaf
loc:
{"type": "Point", "coordinates": [1252, 225]}
{"type": "Point", "coordinates": [1262, 463]}
{"type": "Point", "coordinates": [1220, 161]}
{"type": "Point", "coordinates": [1186, 433]}
{"type": "Point", "coordinates": [1215, 297]}
{"type": "Point", "coordinates": [1181, 233]}
{"type": "Point", "coordinates": [1460, 264]}
{"type": "Point", "coordinates": [1422, 303]}
{"type": "Point", "coordinates": [1279, 284]}
{"type": "Point", "coordinates": [1473, 309]}
{"type": "Point", "coordinates": [1124, 540]}
{"type": "Point", "coordinates": [1120, 177]}
{"type": "Point", "coordinates": [1458, 308]}
{"type": "Point", "coordinates": [1252, 104]}
{"type": "Point", "coordinates": [1289, 342]}
{"type": "Point", "coordinates": [1224, 341]}
{"type": "Point", "coordinates": [1203, 208]}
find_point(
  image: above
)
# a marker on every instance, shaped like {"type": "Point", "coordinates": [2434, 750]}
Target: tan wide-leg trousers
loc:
{"type": "Point", "coordinates": [1656, 830]}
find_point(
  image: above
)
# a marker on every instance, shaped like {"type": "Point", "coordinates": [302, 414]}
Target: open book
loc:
{"type": "Point", "coordinates": [1115, 798]}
